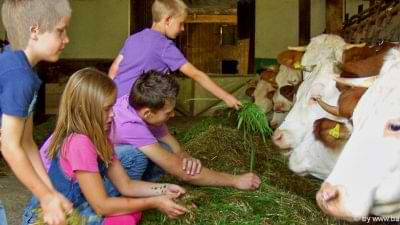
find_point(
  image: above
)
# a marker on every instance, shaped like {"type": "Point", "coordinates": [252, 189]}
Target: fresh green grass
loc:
{"type": "Point", "coordinates": [252, 121]}
{"type": "Point", "coordinates": [283, 198]}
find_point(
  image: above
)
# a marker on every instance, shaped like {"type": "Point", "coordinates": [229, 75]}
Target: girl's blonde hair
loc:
{"type": "Point", "coordinates": [164, 8]}
{"type": "Point", "coordinates": [83, 111]}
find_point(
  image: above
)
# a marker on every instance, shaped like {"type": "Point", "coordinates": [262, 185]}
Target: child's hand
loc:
{"type": "Point", "coordinates": [248, 181]}
{"type": "Point", "coordinates": [174, 190]}
{"type": "Point", "coordinates": [54, 207]}
{"type": "Point", "coordinates": [192, 166]}
{"type": "Point", "coordinates": [232, 102]}
{"type": "Point", "coordinates": [167, 205]}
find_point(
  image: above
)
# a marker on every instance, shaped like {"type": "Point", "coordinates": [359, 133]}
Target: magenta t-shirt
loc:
{"type": "Point", "coordinates": [144, 51]}
{"type": "Point", "coordinates": [129, 128]}
{"type": "Point", "coordinates": [78, 153]}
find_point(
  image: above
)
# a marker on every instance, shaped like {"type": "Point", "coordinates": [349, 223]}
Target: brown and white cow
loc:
{"type": "Point", "coordinates": [366, 177]}
{"type": "Point", "coordinates": [308, 156]}
{"type": "Point", "coordinates": [265, 89]}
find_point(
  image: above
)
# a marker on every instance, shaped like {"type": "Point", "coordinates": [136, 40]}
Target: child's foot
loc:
{"type": "Point", "coordinates": [247, 181]}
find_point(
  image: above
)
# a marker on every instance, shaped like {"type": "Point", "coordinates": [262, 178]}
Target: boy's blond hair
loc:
{"type": "Point", "coordinates": [165, 8]}
{"type": "Point", "coordinates": [20, 15]}
{"type": "Point", "coordinates": [82, 111]}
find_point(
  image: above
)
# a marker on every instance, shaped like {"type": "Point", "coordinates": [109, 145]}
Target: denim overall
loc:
{"type": "Point", "coordinates": [71, 190]}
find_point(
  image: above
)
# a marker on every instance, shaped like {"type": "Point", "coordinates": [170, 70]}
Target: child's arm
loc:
{"type": "Point", "coordinates": [191, 165]}
{"type": "Point", "coordinates": [132, 188]}
{"type": "Point", "coordinates": [31, 149]}
{"type": "Point", "coordinates": [114, 66]}
{"type": "Point", "coordinates": [12, 138]}
{"type": "Point", "coordinates": [93, 189]}
{"type": "Point", "coordinates": [191, 71]}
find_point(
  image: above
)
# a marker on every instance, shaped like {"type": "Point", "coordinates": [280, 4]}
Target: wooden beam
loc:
{"type": "Point", "coordinates": [334, 16]}
{"type": "Point", "coordinates": [304, 21]}
{"type": "Point", "coordinates": [194, 18]}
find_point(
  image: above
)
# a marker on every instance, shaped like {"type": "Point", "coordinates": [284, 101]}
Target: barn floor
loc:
{"type": "Point", "coordinates": [283, 197]}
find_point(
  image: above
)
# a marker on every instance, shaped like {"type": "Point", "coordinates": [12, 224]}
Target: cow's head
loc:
{"type": "Point", "coordinates": [320, 57]}
{"type": "Point", "coordinates": [265, 90]}
{"type": "Point", "coordinates": [366, 177]}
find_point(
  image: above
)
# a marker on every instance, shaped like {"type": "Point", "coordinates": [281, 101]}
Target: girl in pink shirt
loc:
{"type": "Point", "coordinates": [82, 156]}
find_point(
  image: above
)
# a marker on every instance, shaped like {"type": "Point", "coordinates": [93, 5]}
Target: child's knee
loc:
{"type": "Point", "coordinates": [133, 160]}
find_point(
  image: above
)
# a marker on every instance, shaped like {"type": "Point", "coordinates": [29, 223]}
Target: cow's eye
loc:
{"type": "Point", "coordinates": [392, 128]}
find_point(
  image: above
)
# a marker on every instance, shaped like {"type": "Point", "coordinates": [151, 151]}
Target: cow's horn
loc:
{"type": "Point", "coordinates": [349, 46]}
{"type": "Point", "coordinates": [357, 82]}
{"type": "Point", "coordinates": [297, 48]}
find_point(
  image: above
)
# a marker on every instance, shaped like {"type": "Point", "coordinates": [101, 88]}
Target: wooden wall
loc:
{"type": "Point", "coordinates": [201, 45]}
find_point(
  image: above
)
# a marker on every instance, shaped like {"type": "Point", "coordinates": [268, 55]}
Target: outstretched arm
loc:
{"type": "Point", "coordinates": [172, 164]}
{"type": "Point", "coordinates": [93, 189]}
{"type": "Point", "coordinates": [191, 71]}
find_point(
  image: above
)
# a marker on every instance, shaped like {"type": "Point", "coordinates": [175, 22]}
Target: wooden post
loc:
{"type": "Point", "coordinates": [334, 16]}
{"type": "Point", "coordinates": [304, 21]}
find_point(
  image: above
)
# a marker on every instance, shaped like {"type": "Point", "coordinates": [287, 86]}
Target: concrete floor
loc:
{"type": "Point", "coordinates": [14, 197]}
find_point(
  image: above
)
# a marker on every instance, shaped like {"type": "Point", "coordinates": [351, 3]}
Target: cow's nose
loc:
{"type": "Point", "coordinates": [278, 137]}
{"type": "Point", "coordinates": [327, 193]}
{"type": "Point", "coordinates": [329, 200]}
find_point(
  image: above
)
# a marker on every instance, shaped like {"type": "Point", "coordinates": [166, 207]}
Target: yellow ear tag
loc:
{"type": "Point", "coordinates": [334, 132]}
{"type": "Point", "coordinates": [297, 65]}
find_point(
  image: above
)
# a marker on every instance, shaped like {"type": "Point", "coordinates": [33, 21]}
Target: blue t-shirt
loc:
{"type": "Point", "coordinates": [145, 51]}
{"type": "Point", "coordinates": [19, 84]}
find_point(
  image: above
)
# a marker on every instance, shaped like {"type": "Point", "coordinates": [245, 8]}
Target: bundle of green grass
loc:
{"type": "Point", "coordinates": [72, 219]}
{"type": "Point", "coordinates": [253, 121]}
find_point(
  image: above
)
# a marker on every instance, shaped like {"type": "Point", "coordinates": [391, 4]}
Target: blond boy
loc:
{"type": "Point", "coordinates": [153, 49]}
{"type": "Point", "coordinates": [37, 32]}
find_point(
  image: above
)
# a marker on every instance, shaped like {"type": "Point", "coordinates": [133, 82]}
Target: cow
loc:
{"type": "Point", "coordinates": [308, 156]}
{"type": "Point", "coordinates": [265, 90]}
{"type": "Point", "coordinates": [366, 177]}
{"type": "Point", "coordinates": [288, 80]}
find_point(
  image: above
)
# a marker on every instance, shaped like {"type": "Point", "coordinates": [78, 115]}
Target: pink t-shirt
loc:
{"type": "Point", "coordinates": [78, 153]}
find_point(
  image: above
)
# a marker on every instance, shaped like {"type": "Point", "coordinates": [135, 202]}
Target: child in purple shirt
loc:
{"type": "Point", "coordinates": [153, 49]}
{"type": "Point", "coordinates": [139, 129]}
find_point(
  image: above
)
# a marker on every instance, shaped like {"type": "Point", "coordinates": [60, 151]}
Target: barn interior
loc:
{"type": "Point", "coordinates": [235, 42]}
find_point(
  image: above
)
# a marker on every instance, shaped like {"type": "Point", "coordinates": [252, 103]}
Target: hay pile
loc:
{"type": "Point", "coordinates": [283, 197]}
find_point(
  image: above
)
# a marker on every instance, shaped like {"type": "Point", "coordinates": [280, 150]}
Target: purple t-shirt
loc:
{"type": "Point", "coordinates": [145, 51]}
{"type": "Point", "coordinates": [130, 129]}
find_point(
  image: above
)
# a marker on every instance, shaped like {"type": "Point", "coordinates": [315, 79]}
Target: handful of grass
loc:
{"type": "Point", "coordinates": [252, 121]}
{"type": "Point", "coordinates": [72, 219]}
